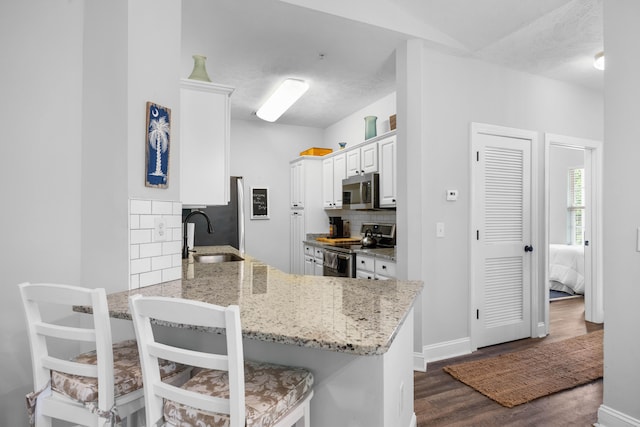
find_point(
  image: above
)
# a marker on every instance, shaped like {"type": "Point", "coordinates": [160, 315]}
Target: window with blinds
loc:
{"type": "Point", "coordinates": [575, 207]}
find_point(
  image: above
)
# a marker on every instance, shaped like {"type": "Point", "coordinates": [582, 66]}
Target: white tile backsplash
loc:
{"type": "Point", "coordinates": [154, 262]}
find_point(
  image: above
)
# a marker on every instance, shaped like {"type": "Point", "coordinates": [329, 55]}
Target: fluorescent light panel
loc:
{"type": "Point", "coordinates": [284, 97]}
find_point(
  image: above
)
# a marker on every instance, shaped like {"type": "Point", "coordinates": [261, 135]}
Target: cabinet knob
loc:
{"type": "Point", "coordinates": [393, 200]}
{"type": "Point", "coordinates": [384, 267]}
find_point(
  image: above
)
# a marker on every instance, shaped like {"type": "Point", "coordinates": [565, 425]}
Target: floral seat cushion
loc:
{"type": "Point", "coordinates": [126, 370]}
{"type": "Point", "coordinates": [270, 392]}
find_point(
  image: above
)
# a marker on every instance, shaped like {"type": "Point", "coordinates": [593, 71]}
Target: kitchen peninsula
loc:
{"type": "Point", "coordinates": [355, 335]}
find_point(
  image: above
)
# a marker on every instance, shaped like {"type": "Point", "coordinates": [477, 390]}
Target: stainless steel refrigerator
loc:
{"type": "Point", "coordinates": [227, 220]}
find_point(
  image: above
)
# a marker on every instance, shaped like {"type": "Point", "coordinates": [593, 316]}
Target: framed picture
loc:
{"type": "Point", "coordinates": [158, 139]}
{"type": "Point", "coordinates": [259, 203]}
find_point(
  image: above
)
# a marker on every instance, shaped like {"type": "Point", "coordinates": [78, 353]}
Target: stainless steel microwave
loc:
{"type": "Point", "coordinates": [361, 192]}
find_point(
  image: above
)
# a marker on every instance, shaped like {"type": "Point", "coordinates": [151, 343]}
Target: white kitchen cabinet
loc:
{"type": "Point", "coordinates": [333, 172]}
{"type": "Point", "coordinates": [375, 268]}
{"type": "Point", "coordinates": [307, 215]}
{"type": "Point", "coordinates": [297, 236]}
{"type": "Point", "coordinates": [388, 172]}
{"type": "Point", "coordinates": [362, 159]}
{"type": "Point", "coordinates": [313, 260]}
{"type": "Point", "coordinates": [297, 184]}
{"type": "Point", "coordinates": [204, 143]}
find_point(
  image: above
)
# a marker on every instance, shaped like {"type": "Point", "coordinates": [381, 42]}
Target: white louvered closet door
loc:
{"type": "Point", "coordinates": [501, 281]}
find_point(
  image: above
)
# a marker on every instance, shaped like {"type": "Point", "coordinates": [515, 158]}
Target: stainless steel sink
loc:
{"type": "Point", "coordinates": [213, 258]}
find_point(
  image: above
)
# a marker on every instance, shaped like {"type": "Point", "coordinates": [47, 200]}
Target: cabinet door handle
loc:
{"type": "Point", "coordinates": [384, 267]}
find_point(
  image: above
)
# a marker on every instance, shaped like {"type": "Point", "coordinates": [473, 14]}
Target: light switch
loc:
{"type": "Point", "coordinates": [452, 195]}
{"type": "Point", "coordinates": [638, 240]}
{"type": "Point", "coordinates": [440, 229]}
{"type": "Point", "coordinates": [159, 229]}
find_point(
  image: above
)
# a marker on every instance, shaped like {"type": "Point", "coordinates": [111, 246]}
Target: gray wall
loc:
{"type": "Point", "coordinates": [260, 152]}
{"type": "Point", "coordinates": [40, 170]}
{"type": "Point", "coordinates": [456, 92]}
{"type": "Point", "coordinates": [621, 214]}
{"type": "Point", "coordinates": [561, 159]}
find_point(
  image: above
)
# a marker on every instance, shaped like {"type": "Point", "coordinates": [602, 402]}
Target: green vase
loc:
{"type": "Point", "coordinates": [370, 127]}
{"type": "Point", "coordinates": [199, 70]}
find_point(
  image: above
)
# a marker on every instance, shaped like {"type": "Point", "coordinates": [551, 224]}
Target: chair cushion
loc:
{"type": "Point", "coordinates": [126, 371]}
{"type": "Point", "coordinates": [270, 392]}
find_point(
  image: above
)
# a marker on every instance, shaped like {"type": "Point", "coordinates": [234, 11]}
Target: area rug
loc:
{"type": "Point", "coordinates": [519, 377]}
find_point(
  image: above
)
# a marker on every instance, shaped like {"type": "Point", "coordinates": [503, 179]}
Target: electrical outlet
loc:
{"type": "Point", "coordinates": [159, 229]}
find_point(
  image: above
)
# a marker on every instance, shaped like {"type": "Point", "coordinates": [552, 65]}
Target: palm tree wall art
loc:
{"type": "Point", "coordinates": [157, 143]}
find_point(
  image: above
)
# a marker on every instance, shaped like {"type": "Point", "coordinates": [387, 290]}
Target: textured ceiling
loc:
{"type": "Point", "coordinates": [253, 45]}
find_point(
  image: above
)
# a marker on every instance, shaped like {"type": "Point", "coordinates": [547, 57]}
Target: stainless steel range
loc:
{"type": "Point", "coordinates": [340, 260]}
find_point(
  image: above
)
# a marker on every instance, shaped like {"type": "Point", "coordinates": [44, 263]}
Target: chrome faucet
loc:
{"type": "Point", "coordinates": [185, 248]}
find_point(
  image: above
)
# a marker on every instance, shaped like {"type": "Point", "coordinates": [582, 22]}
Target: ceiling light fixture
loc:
{"type": "Point", "coordinates": [598, 61]}
{"type": "Point", "coordinates": [284, 97]}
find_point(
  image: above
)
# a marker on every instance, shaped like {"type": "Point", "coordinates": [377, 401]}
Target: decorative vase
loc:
{"type": "Point", "coordinates": [199, 70]}
{"type": "Point", "coordinates": [370, 127]}
{"type": "Point", "coordinates": [342, 145]}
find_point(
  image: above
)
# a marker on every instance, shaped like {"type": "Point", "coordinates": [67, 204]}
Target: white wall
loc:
{"type": "Point", "coordinates": [40, 170]}
{"type": "Point", "coordinates": [561, 159]}
{"type": "Point", "coordinates": [351, 128]}
{"type": "Point", "coordinates": [458, 91]}
{"type": "Point", "coordinates": [621, 216]}
{"type": "Point", "coordinates": [260, 152]}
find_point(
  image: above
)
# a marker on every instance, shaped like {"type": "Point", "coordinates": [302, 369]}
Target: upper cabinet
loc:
{"type": "Point", "coordinates": [204, 142]}
{"type": "Point", "coordinates": [388, 172]}
{"type": "Point", "coordinates": [297, 183]}
{"type": "Point", "coordinates": [333, 172]}
{"type": "Point", "coordinates": [363, 159]}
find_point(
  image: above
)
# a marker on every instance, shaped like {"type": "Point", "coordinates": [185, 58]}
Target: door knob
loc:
{"type": "Point", "coordinates": [528, 248]}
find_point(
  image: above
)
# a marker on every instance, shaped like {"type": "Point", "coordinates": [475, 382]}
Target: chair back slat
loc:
{"type": "Point", "coordinates": [175, 310]}
{"type": "Point", "coordinates": [58, 294]}
{"type": "Point", "coordinates": [189, 357]}
{"type": "Point", "coordinates": [192, 398]}
{"type": "Point", "coordinates": [69, 367]}
{"type": "Point", "coordinates": [65, 332]}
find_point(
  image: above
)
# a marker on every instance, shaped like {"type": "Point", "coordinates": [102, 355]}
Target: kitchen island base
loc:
{"type": "Point", "coordinates": [349, 390]}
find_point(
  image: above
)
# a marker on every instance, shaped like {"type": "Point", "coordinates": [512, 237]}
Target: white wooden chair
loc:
{"type": "Point", "coordinates": [227, 390]}
{"type": "Point", "coordinates": [95, 388]}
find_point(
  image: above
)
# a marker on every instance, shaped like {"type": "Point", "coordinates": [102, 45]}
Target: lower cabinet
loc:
{"type": "Point", "coordinates": [375, 268]}
{"type": "Point", "coordinates": [312, 260]}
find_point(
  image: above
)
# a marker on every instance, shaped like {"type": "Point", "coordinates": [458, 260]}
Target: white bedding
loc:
{"type": "Point", "coordinates": [566, 268]}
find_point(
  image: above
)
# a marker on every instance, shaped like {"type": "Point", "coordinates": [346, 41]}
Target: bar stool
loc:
{"type": "Point", "coordinates": [95, 388]}
{"type": "Point", "coordinates": [226, 390]}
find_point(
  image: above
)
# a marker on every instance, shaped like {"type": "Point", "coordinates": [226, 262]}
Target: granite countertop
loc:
{"type": "Point", "coordinates": [356, 316]}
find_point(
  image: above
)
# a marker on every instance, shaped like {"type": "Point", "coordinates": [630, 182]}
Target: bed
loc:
{"type": "Point", "coordinates": [566, 268]}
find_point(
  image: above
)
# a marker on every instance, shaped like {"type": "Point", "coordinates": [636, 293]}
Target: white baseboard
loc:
{"type": "Point", "coordinates": [609, 417]}
{"type": "Point", "coordinates": [541, 330]}
{"type": "Point", "coordinates": [440, 351]}
{"type": "Point", "coordinates": [414, 420]}
{"type": "Point", "coordinates": [419, 362]}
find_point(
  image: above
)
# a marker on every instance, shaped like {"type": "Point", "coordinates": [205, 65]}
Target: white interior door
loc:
{"type": "Point", "coordinates": [501, 249]}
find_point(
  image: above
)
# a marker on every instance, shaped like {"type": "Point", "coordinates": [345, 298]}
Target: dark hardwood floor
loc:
{"type": "Point", "coordinates": [441, 400]}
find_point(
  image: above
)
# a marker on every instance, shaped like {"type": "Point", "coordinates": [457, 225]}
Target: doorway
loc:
{"type": "Point", "coordinates": [582, 231]}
